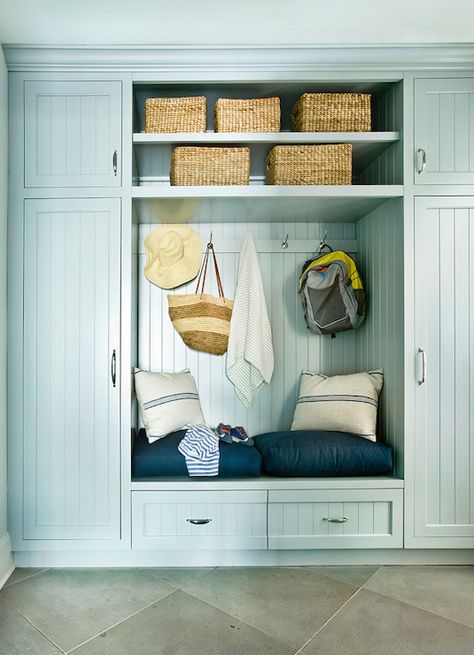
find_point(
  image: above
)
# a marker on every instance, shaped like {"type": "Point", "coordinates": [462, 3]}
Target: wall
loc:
{"type": "Point", "coordinates": [5, 556]}
{"type": "Point", "coordinates": [379, 341]}
{"type": "Point", "coordinates": [161, 348]}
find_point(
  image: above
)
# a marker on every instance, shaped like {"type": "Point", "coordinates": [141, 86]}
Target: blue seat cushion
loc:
{"type": "Point", "coordinates": [312, 453]}
{"type": "Point", "coordinates": [162, 458]}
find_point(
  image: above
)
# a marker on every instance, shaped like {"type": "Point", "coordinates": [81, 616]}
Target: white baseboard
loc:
{"type": "Point", "coordinates": [7, 565]}
{"type": "Point", "coordinates": [240, 558]}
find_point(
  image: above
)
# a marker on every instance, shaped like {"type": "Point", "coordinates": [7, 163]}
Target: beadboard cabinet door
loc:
{"type": "Point", "coordinates": [71, 417]}
{"type": "Point", "coordinates": [443, 449]}
{"type": "Point", "coordinates": [444, 131]}
{"type": "Point", "coordinates": [72, 134]}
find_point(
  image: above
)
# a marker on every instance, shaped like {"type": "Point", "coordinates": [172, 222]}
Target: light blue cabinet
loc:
{"type": "Point", "coordinates": [444, 131]}
{"type": "Point", "coordinates": [73, 133]}
{"type": "Point", "coordinates": [71, 346]}
{"type": "Point", "coordinates": [441, 494]}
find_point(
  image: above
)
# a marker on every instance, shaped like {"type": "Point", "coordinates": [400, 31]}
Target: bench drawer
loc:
{"type": "Point", "coordinates": [205, 520]}
{"type": "Point", "coordinates": [358, 518]}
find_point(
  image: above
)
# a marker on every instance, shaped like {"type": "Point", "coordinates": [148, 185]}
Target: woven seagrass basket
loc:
{"type": "Point", "coordinates": [209, 166]}
{"type": "Point", "coordinates": [332, 112]}
{"type": "Point", "coordinates": [325, 164]}
{"type": "Point", "coordinates": [253, 115]}
{"type": "Point", "coordinates": [175, 114]}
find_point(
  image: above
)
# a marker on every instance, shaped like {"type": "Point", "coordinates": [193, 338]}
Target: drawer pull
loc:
{"type": "Point", "coordinates": [339, 519]}
{"type": "Point", "coordinates": [199, 521]}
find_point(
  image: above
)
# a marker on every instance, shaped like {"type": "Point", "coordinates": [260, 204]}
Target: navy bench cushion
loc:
{"type": "Point", "coordinates": [163, 458]}
{"type": "Point", "coordinates": [311, 453]}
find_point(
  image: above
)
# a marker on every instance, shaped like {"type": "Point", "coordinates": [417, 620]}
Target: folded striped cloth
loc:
{"type": "Point", "coordinates": [200, 447]}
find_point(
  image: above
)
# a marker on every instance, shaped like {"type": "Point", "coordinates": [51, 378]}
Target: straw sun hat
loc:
{"type": "Point", "coordinates": [173, 255]}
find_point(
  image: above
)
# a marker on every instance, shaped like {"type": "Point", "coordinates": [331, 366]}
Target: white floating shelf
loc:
{"type": "Point", "coordinates": [267, 137]}
{"type": "Point", "coordinates": [162, 203]}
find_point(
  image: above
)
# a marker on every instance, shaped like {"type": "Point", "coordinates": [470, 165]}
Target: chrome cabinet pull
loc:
{"type": "Point", "coordinates": [421, 160]}
{"type": "Point", "coordinates": [421, 352]}
{"type": "Point", "coordinates": [199, 521]}
{"type": "Point", "coordinates": [114, 162]}
{"type": "Point", "coordinates": [113, 368]}
{"type": "Point", "coordinates": [336, 519]}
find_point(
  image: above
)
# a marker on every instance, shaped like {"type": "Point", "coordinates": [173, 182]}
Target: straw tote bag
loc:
{"type": "Point", "coordinates": [202, 320]}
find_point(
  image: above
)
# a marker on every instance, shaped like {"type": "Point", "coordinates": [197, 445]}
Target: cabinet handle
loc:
{"type": "Point", "coordinates": [114, 162]}
{"type": "Point", "coordinates": [113, 368]}
{"type": "Point", "coordinates": [199, 521]}
{"type": "Point", "coordinates": [421, 352]}
{"type": "Point", "coordinates": [337, 519]}
{"type": "Point", "coordinates": [421, 160]}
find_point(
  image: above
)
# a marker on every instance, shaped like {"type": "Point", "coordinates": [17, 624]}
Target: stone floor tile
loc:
{"type": "Point", "coordinates": [356, 575]}
{"type": "Point", "coordinates": [445, 590]}
{"type": "Point", "coordinates": [72, 605]}
{"type": "Point", "coordinates": [182, 625]}
{"type": "Point", "coordinates": [21, 574]}
{"type": "Point", "coordinates": [178, 577]}
{"type": "Point", "coordinates": [288, 603]}
{"type": "Point", "coordinates": [18, 637]}
{"type": "Point", "coordinates": [371, 624]}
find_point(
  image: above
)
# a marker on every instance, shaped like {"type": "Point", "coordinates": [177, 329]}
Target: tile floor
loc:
{"type": "Point", "coordinates": [356, 610]}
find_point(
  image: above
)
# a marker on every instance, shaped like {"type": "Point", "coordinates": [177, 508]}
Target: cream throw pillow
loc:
{"type": "Point", "coordinates": [167, 402]}
{"type": "Point", "coordinates": [342, 403]}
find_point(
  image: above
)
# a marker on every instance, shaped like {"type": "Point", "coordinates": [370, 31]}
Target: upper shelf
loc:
{"type": "Point", "coordinates": [366, 146]}
{"type": "Point", "coordinates": [267, 137]}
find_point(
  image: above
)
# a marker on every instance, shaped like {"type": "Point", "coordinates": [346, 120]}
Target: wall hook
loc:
{"type": "Point", "coordinates": [284, 244]}
{"type": "Point", "coordinates": [210, 244]}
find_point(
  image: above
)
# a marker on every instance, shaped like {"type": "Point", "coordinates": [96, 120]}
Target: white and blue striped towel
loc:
{"type": "Point", "coordinates": [200, 447]}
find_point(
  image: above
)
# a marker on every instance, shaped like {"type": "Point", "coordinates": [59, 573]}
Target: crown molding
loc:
{"type": "Point", "coordinates": [213, 60]}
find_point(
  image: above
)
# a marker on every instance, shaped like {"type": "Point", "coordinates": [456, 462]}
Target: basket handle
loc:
{"type": "Point", "coordinates": [203, 272]}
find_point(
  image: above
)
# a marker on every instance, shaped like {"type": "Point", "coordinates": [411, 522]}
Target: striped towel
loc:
{"type": "Point", "coordinates": [250, 350]}
{"type": "Point", "coordinates": [200, 447]}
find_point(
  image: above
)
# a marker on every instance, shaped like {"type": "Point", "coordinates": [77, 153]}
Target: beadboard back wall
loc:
{"type": "Point", "coordinates": [161, 348]}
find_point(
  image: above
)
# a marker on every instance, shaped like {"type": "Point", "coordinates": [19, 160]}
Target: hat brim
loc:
{"type": "Point", "coordinates": [184, 270]}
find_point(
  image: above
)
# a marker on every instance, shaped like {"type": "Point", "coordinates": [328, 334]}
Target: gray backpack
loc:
{"type": "Point", "coordinates": [332, 293]}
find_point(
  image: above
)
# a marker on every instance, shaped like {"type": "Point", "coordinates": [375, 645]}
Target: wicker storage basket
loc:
{"type": "Point", "coordinates": [204, 165]}
{"type": "Point", "coordinates": [332, 112]}
{"type": "Point", "coordinates": [175, 114]}
{"type": "Point", "coordinates": [327, 164]}
{"type": "Point", "coordinates": [254, 115]}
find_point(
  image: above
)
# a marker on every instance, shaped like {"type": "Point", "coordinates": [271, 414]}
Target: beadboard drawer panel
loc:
{"type": "Point", "coordinates": [359, 518]}
{"type": "Point", "coordinates": [224, 520]}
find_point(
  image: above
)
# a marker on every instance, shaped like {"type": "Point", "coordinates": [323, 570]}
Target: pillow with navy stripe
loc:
{"type": "Point", "coordinates": [341, 403]}
{"type": "Point", "coordinates": [167, 402]}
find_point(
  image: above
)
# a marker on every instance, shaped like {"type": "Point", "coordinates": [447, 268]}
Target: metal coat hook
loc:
{"type": "Point", "coordinates": [210, 240]}
{"type": "Point", "coordinates": [284, 244]}
{"type": "Point", "coordinates": [323, 244]}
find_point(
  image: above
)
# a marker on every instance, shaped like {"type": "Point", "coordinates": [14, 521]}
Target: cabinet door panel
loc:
{"type": "Point", "coordinates": [71, 409]}
{"type": "Point", "coordinates": [444, 407]}
{"type": "Point", "coordinates": [72, 130]}
{"type": "Point", "coordinates": [444, 129]}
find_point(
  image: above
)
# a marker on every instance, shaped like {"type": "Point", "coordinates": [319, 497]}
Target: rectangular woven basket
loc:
{"type": "Point", "coordinates": [175, 114]}
{"type": "Point", "coordinates": [252, 115]}
{"type": "Point", "coordinates": [209, 166]}
{"type": "Point", "coordinates": [325, 164]}
{"type": "Point", "coordinates": [332, 112]}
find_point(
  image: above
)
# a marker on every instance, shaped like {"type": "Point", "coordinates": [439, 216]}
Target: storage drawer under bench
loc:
{"type": "Point", "coordinates": [349, 518]}
{"type": "Point", "coordinates": [190, 520]}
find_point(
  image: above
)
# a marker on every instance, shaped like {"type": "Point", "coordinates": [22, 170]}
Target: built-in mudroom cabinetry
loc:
{"type": "Point", "coordinates": [87, 185]}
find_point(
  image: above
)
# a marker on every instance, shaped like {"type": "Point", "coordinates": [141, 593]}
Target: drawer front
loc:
{"type": "Point", "coordinates": [206, 520]}
{"type": "Point", "coordinates": [359, 518]}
